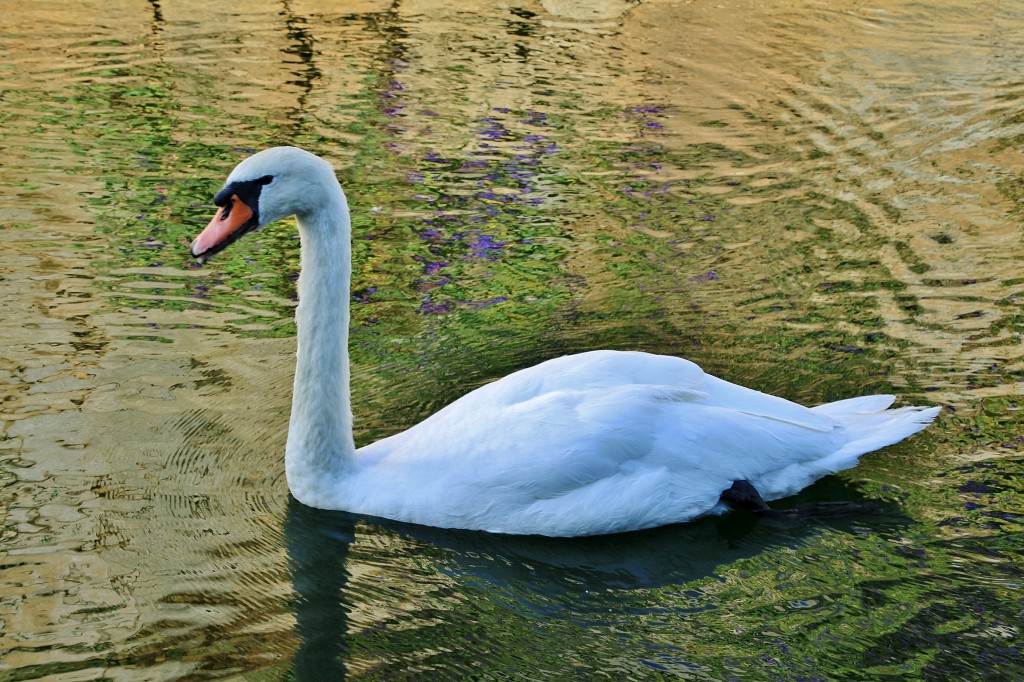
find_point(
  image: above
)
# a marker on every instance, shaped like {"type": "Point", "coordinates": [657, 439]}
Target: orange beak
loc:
{"type": "Point", "coordinates": [233, 219]}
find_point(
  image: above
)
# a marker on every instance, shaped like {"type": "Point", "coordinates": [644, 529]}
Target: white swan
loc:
{"type": "Point", "coordinates": [600, 442]}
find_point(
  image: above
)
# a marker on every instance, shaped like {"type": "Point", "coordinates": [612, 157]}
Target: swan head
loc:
{"type": "Point", "coordinates": [269, 185]}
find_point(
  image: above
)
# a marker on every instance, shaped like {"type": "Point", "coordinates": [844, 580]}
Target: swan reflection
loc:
{"type": "Point", "coordinates": [351, 612]}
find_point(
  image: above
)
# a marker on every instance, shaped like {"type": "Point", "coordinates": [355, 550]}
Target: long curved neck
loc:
{"type": "Point", "coordinates": [320, 445]}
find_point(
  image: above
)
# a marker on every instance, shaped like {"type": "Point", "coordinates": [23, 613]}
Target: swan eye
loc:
{"type": "Point", "coordinates": [230, 204]}
{"type": "Point", "coordinates": [265, 180]}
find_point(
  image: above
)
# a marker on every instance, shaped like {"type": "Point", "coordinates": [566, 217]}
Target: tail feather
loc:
{"type": "Point", "coordinates": [869, 425]}
{"type": "Point", "coordinates": [871, 430]}
{"type": "Point", "coordinates": [866, 404]}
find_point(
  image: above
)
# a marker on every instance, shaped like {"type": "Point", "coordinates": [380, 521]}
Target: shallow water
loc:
{"type": "Point", "coordinates": [816, 200]}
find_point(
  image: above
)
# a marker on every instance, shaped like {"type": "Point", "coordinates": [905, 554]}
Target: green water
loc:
{"type": "Point", "coordinates": [814, 201]}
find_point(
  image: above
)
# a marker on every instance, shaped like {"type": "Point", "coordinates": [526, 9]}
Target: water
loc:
{"type": "Point", "coordinates": [818, 200]}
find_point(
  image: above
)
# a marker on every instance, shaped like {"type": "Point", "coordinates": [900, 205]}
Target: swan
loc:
{"type": "Point", "coordinates": [587, 444]}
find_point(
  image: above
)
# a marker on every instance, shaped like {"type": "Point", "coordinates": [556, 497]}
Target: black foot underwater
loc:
{"type": "Point", "coordinates": [743, 495]}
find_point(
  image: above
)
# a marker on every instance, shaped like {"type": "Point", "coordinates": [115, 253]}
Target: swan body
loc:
{"type": "Point", "coordinates": [599, 442]}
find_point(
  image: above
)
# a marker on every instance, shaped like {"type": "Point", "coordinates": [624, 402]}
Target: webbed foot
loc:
{"type": "Point", "coordinates": [743, 495]}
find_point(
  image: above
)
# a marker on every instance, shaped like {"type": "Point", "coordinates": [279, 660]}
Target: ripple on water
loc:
{"type": "Point", "coordinates": [817, 201]}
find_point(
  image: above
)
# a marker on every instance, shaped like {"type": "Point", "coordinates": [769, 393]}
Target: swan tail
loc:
{"type": "Point", "coordinates": [871, 425]}
{"type": "Point", "coordinates": [868, 424]}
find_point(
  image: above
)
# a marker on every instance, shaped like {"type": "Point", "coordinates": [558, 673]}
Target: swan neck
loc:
{"type": "Point", "coordinates": [320, 444]}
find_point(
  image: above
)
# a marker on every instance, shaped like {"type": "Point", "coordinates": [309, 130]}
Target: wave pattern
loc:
{"type": "Point", "coordinates": [813, 200]}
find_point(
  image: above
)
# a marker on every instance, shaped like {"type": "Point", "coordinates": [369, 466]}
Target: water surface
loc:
{"type": "Point", "coordinates": [814, 199]}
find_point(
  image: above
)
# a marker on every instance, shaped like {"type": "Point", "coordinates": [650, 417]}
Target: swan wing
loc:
{"type": "Point", "coordinates": [605, 369]}
{"type": "Point", "coordinates": [582, 445]}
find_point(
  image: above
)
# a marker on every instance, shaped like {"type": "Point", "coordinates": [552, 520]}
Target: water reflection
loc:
{"type": "Point", "coordinates": [354, 612]}
{"type": "Point", "coordinates": [814, 200]}
{"type": "Point", "coordinates": [318, 550]}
